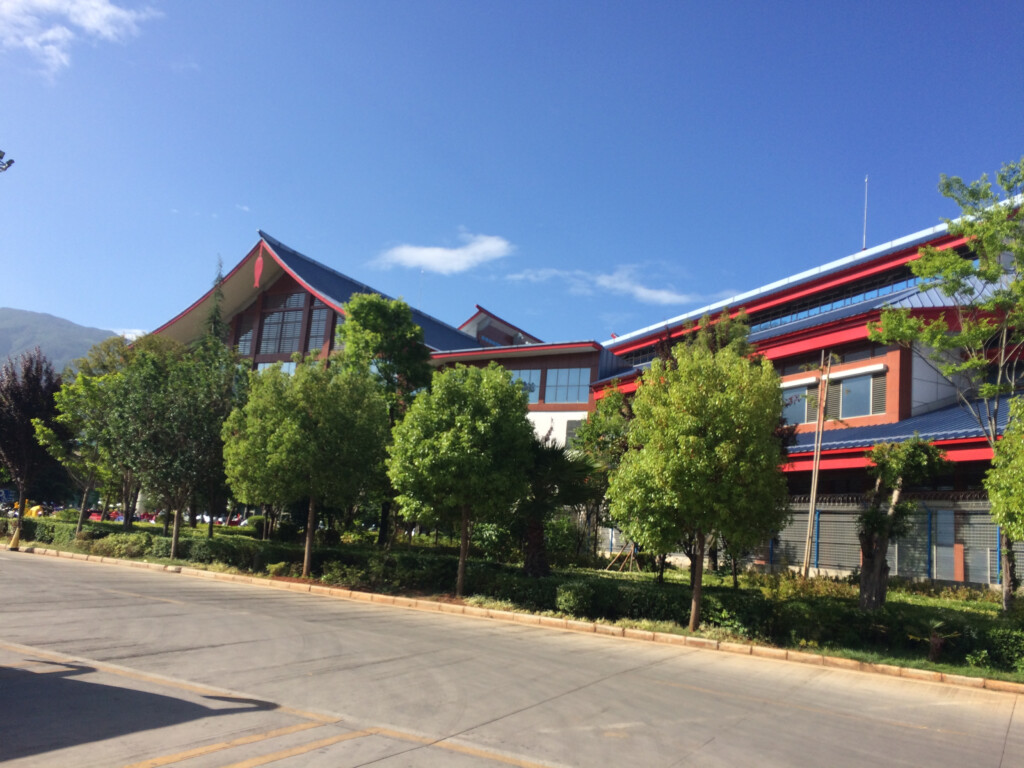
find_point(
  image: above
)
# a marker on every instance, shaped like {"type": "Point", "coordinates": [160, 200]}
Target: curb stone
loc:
{"type": "Point", "coordinates": [571, 625]}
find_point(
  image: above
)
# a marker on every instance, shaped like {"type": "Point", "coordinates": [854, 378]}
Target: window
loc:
{"type": "Point", "coordinates": [288, 368]}
{"type": "Point", "coordinates": [282, 325]}
{"type": "Point", "coordinates": [571, 428]}
{"type": "Point", "coordinates": [794, 405]}
{"type": "Point", "coordinates": [245, 328]}
{"type": "Point", "coordinates": [529, 378]}
{"type": "Point", "coordinates": [317, 326]}
{"type": "Point", "coordinates": [567, 385]}
{"type": "Point", "coordinates": [855, 396]}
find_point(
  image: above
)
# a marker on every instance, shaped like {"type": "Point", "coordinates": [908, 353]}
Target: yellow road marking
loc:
{"type": "Point", "coordinates": [300, 750]}
{"type": "Point", "coordinates": [241, 741]}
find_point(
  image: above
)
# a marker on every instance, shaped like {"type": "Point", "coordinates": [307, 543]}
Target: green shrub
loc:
{"type": "Point", "coordinates": [123, 545]}
{"type": "Point", "coordinates": [199, 551]}
{"type": "Point", "coordinates": [657, 602]}
{"type": "Point", "coordinates": [1005, 648]}
{"type": "Point", "coordinates": [160, 547]}
{"type": "Point", "coordinates": [257, 524]}
{"type": "Point", "coordinates": [68, 515]}
{"type": "Point", "coordinates": [577, 598]}
{"type": "Point", "coordinates": [531, 594]}
{"type": "Point", "coordinates": [493, 542]}
{"type": "Point", "coordinates": [740, 612]}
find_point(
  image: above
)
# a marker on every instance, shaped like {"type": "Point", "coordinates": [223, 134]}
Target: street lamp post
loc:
{"type": "Point", "coordinates": [4, 165]}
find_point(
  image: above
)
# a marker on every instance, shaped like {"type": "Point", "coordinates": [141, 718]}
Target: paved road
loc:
{"type": "Point", "coordinates": [112, 666]}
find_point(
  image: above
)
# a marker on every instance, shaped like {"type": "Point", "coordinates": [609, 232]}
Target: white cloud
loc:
{"type": "Point", "coordinates": [48, 28]}
{"type": "Point", "coordinates": [621, 281]}
{"type": "Point", "coordinates": [242, 208]}
{"type": "Point", "coordinates": [475, 250]}
{"type": "Point", "coordinates": [130, 333]}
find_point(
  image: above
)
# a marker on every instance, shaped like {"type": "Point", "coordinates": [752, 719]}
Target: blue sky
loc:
{"type": "Point", "coordinates": [579, 168]}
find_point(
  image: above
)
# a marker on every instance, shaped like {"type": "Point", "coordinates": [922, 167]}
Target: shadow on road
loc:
{"type": "Point", "coordinates": [47, 711]}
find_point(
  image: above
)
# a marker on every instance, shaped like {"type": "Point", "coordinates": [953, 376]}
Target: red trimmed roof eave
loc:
{"type": "Point", "coordinates": [482, 311]}
{"type": "Point", "coordinates": [263, 246]}
{"type": "Point", "coordinates": [523, 350]}
{"type": "Point", "coordinates": [280, 262]}
{"type": "Point", "coordinates": [195, 305]}
{"type": "Point", "coordinates": [831, 281]}
{"type": "Point", "coordinates": [958, 450]}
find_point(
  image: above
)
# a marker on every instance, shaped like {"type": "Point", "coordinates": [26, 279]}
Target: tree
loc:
{"type": "Point", "coordinates": [76, 442]}
{"type": "Point", "coordinates": [976, 344]}
{"type": "Point", "coordinates": [894, 466]}
{"type": "Point", "coordinates": [704, 456]}
{"type": "Point", "coordinates": [380, 336]}
{"type": "Point", "coordinates": [27, 387]}
{"type": "Point", "coordinates": [462, 452]}
{"type": "Point", "coordinates": [603, 439]}
{"type": "Point", "coordinates": [1005, 481]}
{"type": "Point", "coordinates": [557, 478]}
{"type": "Point", "coordinates": [309, 435]}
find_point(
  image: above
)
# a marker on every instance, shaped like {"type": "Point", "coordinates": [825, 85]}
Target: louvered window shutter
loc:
{"type": "Point", "coordinates": [833, 400]}
{"type": "Point", "coordinates": [878, 394]}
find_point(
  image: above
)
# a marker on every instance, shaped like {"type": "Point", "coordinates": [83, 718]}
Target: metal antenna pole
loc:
{"type": "Point", "coordinates": [864, 243]}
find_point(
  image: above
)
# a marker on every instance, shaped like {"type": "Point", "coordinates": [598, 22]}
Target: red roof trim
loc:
{"type": "Point", "coordinates": [280, 262]}
{"type": "Point", "coordinates": [482, 311]}
{"type": "Point", "coordinates": [960, 449]}
{"type": "Point", "coordinates": [209, 293]}
{"type": "Point", "coordinates": [805, 289]}
{"type": "Point", "coordinates": [524, 350]}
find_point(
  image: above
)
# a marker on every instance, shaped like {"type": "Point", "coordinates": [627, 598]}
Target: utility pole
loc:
{"type": "Point", "coordinates": [824, 370]}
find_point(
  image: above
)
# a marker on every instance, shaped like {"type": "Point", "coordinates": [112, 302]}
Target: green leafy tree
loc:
{"type": "Point", "coordinates": [704, 456]}
{"type": "Point", "coordinates": [75, 436]}
{"type": "Point", "coordinates": [976, 344]}
{"type": "Point", "coordinates": [309, 435]}
{"type": "Point", "coordinates": [894, 465]}
{"type": "Point", "coordinates": [380, 335]}
{"type": "Point", "coordinates": [463, 451]}
{"type": "Point", "coordinates": [1005, 481]}
{"type": "Point", "coordinates": [603, 439]}
{"type": "Point", "coordinates": [557, 478]}
{"type": "Point", "coordinates": [27, 386]}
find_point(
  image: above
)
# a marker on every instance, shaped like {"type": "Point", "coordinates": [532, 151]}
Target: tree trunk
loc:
{"type": "Point", "coordinates": [662, 561]}
{"type": "Point", "coordinates": [874, 571]}
{"type": "Point", "coordinates": [384, 524]}
{"type": "Point", "coordinates": [1009, 569]}
{"type": "Point", "coordinates": [174, 536]}
{"type": "Point", "coordinates": [460, 580]}
{"type": "Point", "coordinates": [735, 574]}
{"type": "Point", "coordinates": [535, 558]}
{"type": "Point", "coordinates": [874, 546]}
{"type": "Point", "coordinates": [21, 507]}
{"type": "Point", "coordinates": [307, 558]}
{"type": "Point", "coordinates": [697, 568]}
{"type": "Point", "coordinates": [82, 510]}
{"type": "Point", "coordinates": [713, 557]}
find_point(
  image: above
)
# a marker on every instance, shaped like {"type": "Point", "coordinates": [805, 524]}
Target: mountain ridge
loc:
{"type": "Point", "coordinates": [62, 341]}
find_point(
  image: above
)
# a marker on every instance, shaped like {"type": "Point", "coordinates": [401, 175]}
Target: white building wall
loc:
{"type": "Point", "coordinates": [929, 390]}
{"type": "Point", "coordinates": [555, 422]}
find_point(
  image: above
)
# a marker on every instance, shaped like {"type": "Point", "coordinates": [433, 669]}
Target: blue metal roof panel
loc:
{"type": "Point", "coordinates": [950, 423]}
{"type": "Point", "coordinates": [811, 274]}
{"type": "Point", "coordinates": [833, 315]}
{"type": "Point", "coordinates": [339, 288]}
